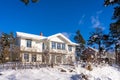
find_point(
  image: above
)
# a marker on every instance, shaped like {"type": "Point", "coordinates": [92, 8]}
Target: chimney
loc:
{"type": "Point", "coordinates": [41, 34]}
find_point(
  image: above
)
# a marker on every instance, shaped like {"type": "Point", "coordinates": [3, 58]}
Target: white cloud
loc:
{"type": "Point", "coordinates": [68, 35]}
{"type": "Point", "coordinates": [96, 22]}
{"type": "Point", "coordinates": [82, 19]}
{"type": "Point", "coordinates": [99, 12]}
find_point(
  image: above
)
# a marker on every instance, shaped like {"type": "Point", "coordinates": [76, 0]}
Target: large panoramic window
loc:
{"type": "Point", "coordinates": [53, 45]}
{"type": "Point", "coordinates": [63, 46]}
{"type": "Point", "coordinates": [29, 42]}
{"type": "Point", "coordinates": [58, 46]}
{"type": "Point", "coordinates": [70, 48]}
{"type": "Point", "coordinates": [26, 57]}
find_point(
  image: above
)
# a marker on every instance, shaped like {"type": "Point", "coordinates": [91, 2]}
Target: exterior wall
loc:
{"type": "Point", "coordinates": [68, 54]}
{"type": "Point", "coordinates": [38, 57]}
{"type": "Point", "coordinates": [57, 39]}
{"type": "Point", "coordinates": [36, 46]}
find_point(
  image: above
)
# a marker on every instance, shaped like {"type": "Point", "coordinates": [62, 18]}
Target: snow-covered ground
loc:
{"type": "Point", "coordinates": [101, 73]}
{"type": "Point", "coordinates": [98, 73]}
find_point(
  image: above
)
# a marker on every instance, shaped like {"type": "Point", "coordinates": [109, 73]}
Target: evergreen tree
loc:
{"type": "Point", "coordinates": [114, 37]}
{"type": "Point", "coordinates": [7, 46]}
{"type": "Point", "coordinates": [80, 40]}
{"type": "Point", "coordinates": [98, 38]}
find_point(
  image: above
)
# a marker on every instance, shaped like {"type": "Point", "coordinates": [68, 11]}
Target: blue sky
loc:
{"type": "Point", "coordinates": [55, 16]}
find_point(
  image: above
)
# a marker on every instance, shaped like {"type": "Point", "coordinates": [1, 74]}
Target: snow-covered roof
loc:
{"type": "Point", "coordinates": [93, 49]}
{"type": "Point", "coordinates": [61, 35]}
{"type": "Point", "coordinates": [38, 37]}
{"type": "Point", "coordinates": [74, 43]}
{"type": "Point", "coordinates": [29, 36]}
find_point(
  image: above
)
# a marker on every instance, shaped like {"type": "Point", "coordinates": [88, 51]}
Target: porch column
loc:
{"type": "Point", "coordinates": [30, 57]}
{"type": "Point", "coordinates": [61, 59]}
{"type": "Point", "coordinates": [55, 59]}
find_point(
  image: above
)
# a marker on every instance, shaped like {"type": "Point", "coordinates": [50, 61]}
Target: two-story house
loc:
{"type": "Point", "coordinates": [56, 49]}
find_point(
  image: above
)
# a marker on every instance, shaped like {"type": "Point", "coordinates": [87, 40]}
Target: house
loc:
{"type": "Point", "coordinates": [56, 49]}
{"type": "Point", "coordinates": [111, 56]}
{"type": "Point", "coordinates": [90, 54]}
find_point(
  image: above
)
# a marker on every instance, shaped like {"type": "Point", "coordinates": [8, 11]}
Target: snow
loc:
{"type": "Point", "coordinates": [111, 0]}
{"type": "Point", "coordinates": [101, 73]}
{"type": "Point", "coordinates": [38, 37]}
{"type": "Point", "coordinates": [31, 36]}
{"type": "Point", "coordinates": [93, 49]}
{"type": "Point", "coordinates": [34, 74]}
{"type": "Point", "coordinates": [105, 72]}
{"type": "Point", "coordinates": [95, 36]}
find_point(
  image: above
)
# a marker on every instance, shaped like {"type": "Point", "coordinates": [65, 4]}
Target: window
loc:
{"type": "Point", "coordinates": [29, 43]}
{"type": "Point", "coordinates": [34, 58]}
{"type": "Point", "coordinates": [58, 46]}
{"type": "Point", "coordinates": [70, 48]}
{"type": "Point", "coordinates": [53, 45]}
{"type": "Point", "coordinates": [43, 46]}
{"type": "Point", "coordinates": [26, 57]}
{"type": "Point", "coordinates": [63, 46]}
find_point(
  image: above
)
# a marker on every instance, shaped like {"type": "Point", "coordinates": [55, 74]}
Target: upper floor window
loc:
{"type": "Point", "coordinates": [29, 42]}
{"type": "Point", "coordinates": [63, 46]}
{"type": "Point", "coordinates": [53, 45]}
{"type": "Point", "coordinates": [70, 48]}
{"type": "Point", "coordinates": [58, 46]}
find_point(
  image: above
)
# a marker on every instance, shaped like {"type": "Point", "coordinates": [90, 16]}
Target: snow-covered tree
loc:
{"type": "Point", "coordinates": [97, 38]}
{"type": "Point", "coordinates": [80, 40]}
{"type": "Point", "coordinates": [7, 46]}
{"type": "Point", "coordinates": [28, 1]}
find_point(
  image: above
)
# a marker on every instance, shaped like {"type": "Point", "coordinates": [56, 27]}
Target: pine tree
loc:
{"type": "Point", "coordinates": [80, 40]}
{"type": "Point", "coordinates": [97, 38]}
{"type": "Point", "coordinates": [7, 46]}
{"type": "Point", "coordinates": [114, 37]}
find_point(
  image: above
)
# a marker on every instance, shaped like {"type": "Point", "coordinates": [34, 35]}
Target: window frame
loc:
{"type": "Point", "coordinates": [70, 47]}
{"type": "Point", "coordinates": [43, 46]}
{"type": "Point", "coordinates": [63, 46]}
{"type": "Point", "coordinates": [53, 45]}
{"type": "Point", "coordinates": [26, 57]}
{"type": "Point", "coordinates": [29, 43]}
{"type": "Point", "coordinates": [58, 45]}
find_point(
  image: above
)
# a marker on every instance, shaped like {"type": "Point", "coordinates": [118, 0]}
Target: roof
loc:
{"type": "Point", "coordinates": [61, 35]}
{"type": "Point", "coordinates": [38, 37]}
{"type": "Point", "coordinates": [93, 49]}
{"type": "Point", "coordinates": [29, 36]}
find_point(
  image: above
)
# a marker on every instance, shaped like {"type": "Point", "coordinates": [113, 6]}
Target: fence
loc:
{"type": "Point", "coordinates": [20, 65]}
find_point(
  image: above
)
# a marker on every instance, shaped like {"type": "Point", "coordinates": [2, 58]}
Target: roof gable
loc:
{"type": "Point", "coordinates": [62, 37]}
{"type": "Point", "coordinates": [59, 35]}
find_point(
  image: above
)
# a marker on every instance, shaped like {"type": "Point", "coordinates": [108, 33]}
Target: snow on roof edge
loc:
{"type": "Point", "coordinates": [27, 35]}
